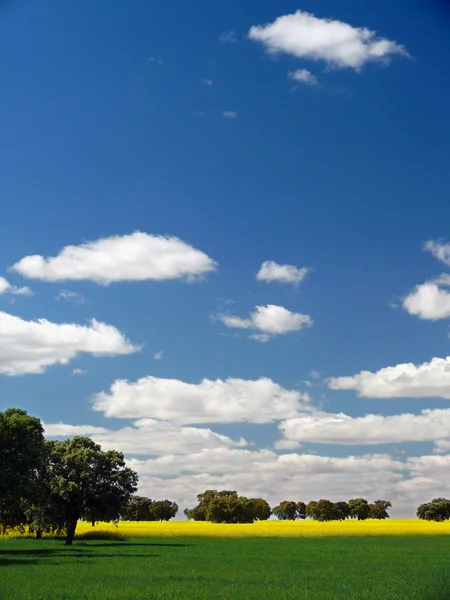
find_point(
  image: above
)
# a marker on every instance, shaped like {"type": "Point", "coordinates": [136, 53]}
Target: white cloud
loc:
{"type": "Point", "coordinates": [271, 271]}
{"type": "Point", "coordinates": [7, 288]}
{"type": "Point", "coordinates": [219, 401]}
{"type": "Point", "coordinates": [303, 76]}
{"type": "Point", "coordinates": [326, 428]}
{"type": "Point", "coordinates": [228, 37]}
{"type": "Point", "coordinates": [135, 257]}
{"type": "Point", "coordinates": [428, 380]}
{"type": "Point", "coordinates": [149, 437]}
{"type": "Point", "coordinates": [158, 355]}
{"type": "Point", "coordinates": [69, 296]}
{"type": "Point", "coordinates": [269, 475]}
{"type": "Point", "coordinates": [439, 250]}
{"type": "Point", "coordinates": [198, 113]}
{"type": "Point", "coordinates": [32, 346]}
{"type": "Point", "coordinates": [208, 82]}
{"type": "Point", "coordinates": [78, 372]}
{"type": "Point", "coordinates": [336, 43]}
{"type": "Point", "coordinates": [62, 430]}
{"type": "Point", "coordinates": [269, 320]}
{"type": "Point", "coordinates": [428, 301]}
{"type": "Point", "coordinates": [229, 114]}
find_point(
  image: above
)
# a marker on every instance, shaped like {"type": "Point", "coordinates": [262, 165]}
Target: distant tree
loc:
{"type": "Point", "coordinates": [164, 510]}
{"type": "Point", "coordinates": [436, 510]}
{"type": "Point", "coordinates": [301, 510]}
{"type": "Point", "coordinates": [359, 509]}
{"type": "Point", "coordinates": [22, 455]}
{"type": "Point", "coordinates": [344, 510]}
{"type": "Point", "coordinates": [286, 511]}
{"type": "Point", "coordinates": [311, 509]}
{"type": "Point", "coordinates": [86, 480]}
{"type": "Point", "coordinates": [139, 508]}
{"type": "Point", "coordinates": [261, 509]}
{"type": "Point", "coordinates": [227, 506]}
{"type": "Point", "coordinates": [379, 509]}
{"type": "Point", "coordinates": [198, 513]}
{"type": "Point", "coordinates": [325, 510]}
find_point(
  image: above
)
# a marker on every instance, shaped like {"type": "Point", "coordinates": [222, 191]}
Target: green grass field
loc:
{"type": "Point", "coordinates": [235, 568]}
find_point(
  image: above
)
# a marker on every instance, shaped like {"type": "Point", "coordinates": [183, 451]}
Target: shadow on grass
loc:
{"type": "Point", "coordinates": [59, 555]}
{"type": "Point", "coordinates": [137, 544]}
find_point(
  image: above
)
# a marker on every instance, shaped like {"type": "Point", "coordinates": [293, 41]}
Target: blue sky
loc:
{"type": "Point", "coordinates": [330, 154]}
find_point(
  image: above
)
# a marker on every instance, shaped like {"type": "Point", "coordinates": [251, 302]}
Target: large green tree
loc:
{"type": "Point", "coordinates": [22, 455]}
{"type": "Point", "coordinates": [379, 509]}
{"type": "Point", "coordinates": [436, 510]}
{"type": "Point", "coordinates": [84, 480]}
{"type": "Point", "coordinates": [163, 510]}
{"type": "Point", "coordinates": [139, 508]}
{"type": "Point", "coordinates": [359, 509]}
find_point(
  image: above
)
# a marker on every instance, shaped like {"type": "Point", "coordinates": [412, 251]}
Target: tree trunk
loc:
{"type": "Point", "coordinates": [71, 526]}
{"type": "Point", "coordinates": [38, 534]}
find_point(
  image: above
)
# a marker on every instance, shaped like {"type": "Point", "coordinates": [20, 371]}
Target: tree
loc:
{"type": "Point", "coordinates": [86, 480]}
{"type": "Point", "coordinates": [311, 509]}
{"type": "Point", "coordinates": [227, 509]}
{"type": "Point", "coordinates": [379, 509]}
{"type": "Point", "coordinates": [22, 454]}
{"type": "Point", "coordinates": [164, 510]}
{"type": "Point", "coordinates": [198, 513]}
{"type": "Point", "coordinates": [344, 510]}
{"type": "Point", "coordinates": [301, 510]}
{"type": "Point", "coordinates": [286, 511]}
{"type": "Point", "coordinates": [261, 509]}
{"type": "Point", "coordinates": [227, 506]}
{"type": "Point", "coordinates": [325, 510]}
{"type": "Point", "coordinates": [139, 508]}
{"type": "Point", "coordinates": [359, 509]}
{"type": "Point", "coordinates": [436, 510]}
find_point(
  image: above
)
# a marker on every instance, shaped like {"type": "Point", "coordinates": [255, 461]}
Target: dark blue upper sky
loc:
{"type": "Point", "coordinates": [113, 119]}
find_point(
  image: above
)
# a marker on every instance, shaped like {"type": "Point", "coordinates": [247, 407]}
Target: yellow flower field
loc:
{"type": "Point", "coordinates": [276, 528]}
{"type": "Point", "coordinates": [390, 527]}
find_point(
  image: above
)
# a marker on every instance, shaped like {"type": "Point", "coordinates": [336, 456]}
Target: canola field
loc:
{"type": "Point", "coordinates": [275, 560]}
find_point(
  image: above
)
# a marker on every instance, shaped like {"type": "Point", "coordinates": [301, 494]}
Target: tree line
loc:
{"type": "Point", "coordinates": [49, 486]}
{"type": "Point", "coordinates": [227, 506]}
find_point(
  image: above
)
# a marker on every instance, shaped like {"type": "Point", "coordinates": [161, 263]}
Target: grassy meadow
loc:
{"type": "Point", "coordinates": [396, 559]}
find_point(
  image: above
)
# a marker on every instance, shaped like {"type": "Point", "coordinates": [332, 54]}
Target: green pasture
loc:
{"type": "Point", "coordinates": [205, 568]}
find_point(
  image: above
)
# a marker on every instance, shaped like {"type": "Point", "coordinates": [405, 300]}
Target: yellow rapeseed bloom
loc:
{"type": "Point", "coordinates": [305, 528]}
{"type": "Point", "coordinates": [349, 528]}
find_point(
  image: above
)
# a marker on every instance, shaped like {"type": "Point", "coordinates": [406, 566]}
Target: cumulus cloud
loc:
{"type": "Point", "coordinates": [135, 257]}
{"type": "Point", "coordinates": [269, 321]}
{"type": "Point", "coordinates": [149, 437]}
{"type": "Point", "coordinates": [219, 401]}
{"type": "Point", "coordinates": [32, 346]}
{"type": "Point", "coordinates": [428, 380]}
{"type": "Point", "coordinates": [208, 82]}
{"type": "Point", "coordinates": [336, 43]}
{"type": "Point", "coordinates": [229, 114]}
{"type": "Point", "coordinates": [7, 288]}
{"type": "Point", "coordinates": [303, 76]}
{"type": "Point", "coordinates": [271, 271]}
{"type": "Point", "coordinates": [325, 428]}
{"type": "Point", "coordinates": [428, 301]}
{"type": "Point", "coordinates": [158, 355]}
{"type": "Point", "coordinates": [269, 475]}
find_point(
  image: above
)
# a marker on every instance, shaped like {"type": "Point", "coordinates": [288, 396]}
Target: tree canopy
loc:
{"type": "Point", "coordinates": [436, 510]}
{"type": "Point", "coordinates": [84, 480]}
{"type": "Point", "coordinates": [22, 455]}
